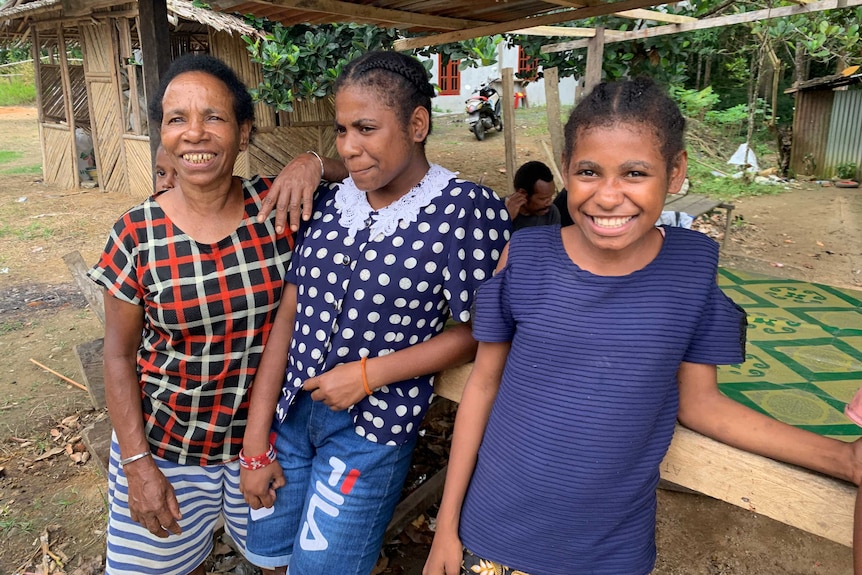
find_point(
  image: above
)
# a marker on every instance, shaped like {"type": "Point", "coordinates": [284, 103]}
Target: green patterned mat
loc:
{"type": "Point", "coordinates": [803, 360]}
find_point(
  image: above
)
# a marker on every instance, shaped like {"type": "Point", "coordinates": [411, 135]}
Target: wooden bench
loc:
{"type": "Point", "coordinates": [797, 497]}
{"type": "Point", "coordinates": [696, 205]}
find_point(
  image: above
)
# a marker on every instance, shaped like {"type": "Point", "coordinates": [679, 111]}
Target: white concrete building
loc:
{"type": "Point", "coordinates": [455, 86]}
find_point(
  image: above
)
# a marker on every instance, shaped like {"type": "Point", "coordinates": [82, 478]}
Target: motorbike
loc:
{"type": "Point", "coordinates": [483, 111]}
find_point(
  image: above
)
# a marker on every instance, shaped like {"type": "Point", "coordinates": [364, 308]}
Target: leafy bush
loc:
{"type": "Point", "coordinates": [694, 103]}
{"type": "Point", "coordinates": [846, 170]}
{"type": "Point", "coordinates": [734, 121]}
{"type": "Point", "coordinates": [303, 62]}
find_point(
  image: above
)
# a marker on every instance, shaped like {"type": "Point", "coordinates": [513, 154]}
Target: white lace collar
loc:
{"type": "Point", "coordinates": [357, 213]}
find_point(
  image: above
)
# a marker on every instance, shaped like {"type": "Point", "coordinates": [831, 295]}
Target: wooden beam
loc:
{"type": "Point", "coordinates": [707, 23]}
{"type": "Point", "coordinates": [655, 16]}
{"type": "Point", "coordinates": [636, 14]}
{"type": "Point", "coordinates": [73, 8]}
{"type": "Point", "coordinates": [595, 57]}
{"type": "Point", "coordinates": [350, 11]}
{"type": "Point", "coordinates": [509, 127]}
{"type": "Point", "coordinates": [78, 268]}
{"type": "Point", "coordinates": [156, 51]}
{"type": "Point", "coordinates": [502, 27]}
{"type": "Point", "coordinates": [800, 498]}
{"type": "Point", "coordinates": [555, 126]}
{"type": "Point", "coordinates": [562, 32]}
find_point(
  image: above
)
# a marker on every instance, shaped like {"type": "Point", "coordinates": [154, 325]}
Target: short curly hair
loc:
{"type": "Point", "coordinates": [243, 106]}
{"type": "Point", "coordinates": [529, 173]}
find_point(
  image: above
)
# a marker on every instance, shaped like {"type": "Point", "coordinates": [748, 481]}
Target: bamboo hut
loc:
{"type": "Point", "coordinates": [90, 90]}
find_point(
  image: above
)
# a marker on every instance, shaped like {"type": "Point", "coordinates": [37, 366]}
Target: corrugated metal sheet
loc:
{"type": "Point", "coordinates": [845, 131]}
{"type": "Point", "coordinates": [810, 132]}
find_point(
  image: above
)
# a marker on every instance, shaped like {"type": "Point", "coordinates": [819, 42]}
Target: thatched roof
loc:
{"type": "Point", "coordinates": [17, 15]}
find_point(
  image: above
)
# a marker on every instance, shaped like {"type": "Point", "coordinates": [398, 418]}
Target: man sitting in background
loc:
{"type": "Point", "coordinates": [532, 202]}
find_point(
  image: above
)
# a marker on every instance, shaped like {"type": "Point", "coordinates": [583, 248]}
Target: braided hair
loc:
{"type": "Point", "coordinates": [639, 101]}
{"type": "Point", "coordinates": [400, 80]}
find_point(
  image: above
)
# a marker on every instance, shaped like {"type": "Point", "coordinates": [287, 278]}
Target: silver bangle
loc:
{"type": "Point", "coordinates": [319, 159]}
{"type": "Point", "coordinates": [128, 460]}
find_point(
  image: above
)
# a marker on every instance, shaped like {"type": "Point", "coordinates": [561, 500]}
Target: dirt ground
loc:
{"type": "Point", "coordinates": [49, 490]}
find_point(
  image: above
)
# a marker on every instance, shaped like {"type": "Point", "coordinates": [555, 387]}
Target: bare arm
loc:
{"type": "Point", "coordinates": [470, 422]}
{"type": "Point", "coordinates": [294, 188]}
{"type": "Point", "coordinates": [152, 502]}
{"type": "Point", "coordinates": [258, 486]}
{"type": "Point", "coordinates": [341, 387]}
{"type": "Point", "coordinates": [706, 410]}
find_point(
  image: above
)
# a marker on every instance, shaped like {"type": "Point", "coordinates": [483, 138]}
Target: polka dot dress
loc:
{"type": "Point", "coordinates": [370, 283]}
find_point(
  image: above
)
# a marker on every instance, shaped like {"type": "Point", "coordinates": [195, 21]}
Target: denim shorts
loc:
{"type": "Point", "coordinates": [340, 495]}
{"type": "Point", "coordinates": [205, 494]}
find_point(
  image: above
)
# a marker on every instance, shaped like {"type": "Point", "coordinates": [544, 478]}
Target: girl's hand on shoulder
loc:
{"type": "Point", "coordinates": [445, 557]}
{"type": "Point", "coordinates": [339, 388]}
{"type": "Point", "coordinates": [292, 191]}
{"type": "Point", "coordinates": [258, 485]}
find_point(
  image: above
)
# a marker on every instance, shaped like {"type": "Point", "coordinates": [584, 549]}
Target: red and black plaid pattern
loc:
{"type": "Point", "coordinates": [207, 312]}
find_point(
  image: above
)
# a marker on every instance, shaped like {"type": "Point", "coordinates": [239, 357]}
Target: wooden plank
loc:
{"type": "Point", "coordinates": [89, 356]}
{"type": "Point", "coordinates": [97, 438]}
{"type": "Point", "coordinates": [595, 57]}
{"type": "Point", "coordinates": [92, 293]}
{"type": "Point", "coordinates": [706, 23]}
{"type": "Point", "coordinates": [428, 494]}
{"type": "Point", "coordinates": [600, 9]}
{"type": "Point", "coordinates": [555, 126]}
{"type": "Point", "coordinates": [799, 498]}
{"type": "Point", "coordinates": [348, 10]}
{"type": "Point", "coordinates": [509, 127]}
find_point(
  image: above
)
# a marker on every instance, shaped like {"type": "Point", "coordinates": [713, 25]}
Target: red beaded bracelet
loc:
{"type": "Point", "coordinates": [258, 461]}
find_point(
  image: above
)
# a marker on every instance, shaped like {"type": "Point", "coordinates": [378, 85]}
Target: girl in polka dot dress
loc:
{"type": "Point", "coordinates": [387, 258]}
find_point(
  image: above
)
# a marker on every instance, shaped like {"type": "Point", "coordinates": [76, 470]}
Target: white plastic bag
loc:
{"type": "Point", "coordinates": [744, 156]}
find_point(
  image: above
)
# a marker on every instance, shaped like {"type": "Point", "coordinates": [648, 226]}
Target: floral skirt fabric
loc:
{"type": "Point", "coordinates": [475, 565]}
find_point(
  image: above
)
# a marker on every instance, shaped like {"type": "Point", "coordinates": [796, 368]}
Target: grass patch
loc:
{"type": "Point", "coordinates": [10, 326]}
{"type": "Point", "coordinates": [17, 92]}
{"type": "Point", "coordinates": [725, 188]}
{"type": "Point", "coordinates": [7, 156]}
{"type": "Point", "coordinates": [32, 231]}
{"type": "Point", "coordinates": [23, 171]}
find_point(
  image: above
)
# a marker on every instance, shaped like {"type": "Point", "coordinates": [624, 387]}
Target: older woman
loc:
{"type": "Point", "coordinates": [192, 281]}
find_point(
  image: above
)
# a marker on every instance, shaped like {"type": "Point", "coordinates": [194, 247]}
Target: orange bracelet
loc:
{"type": "Point", "coordinates": [365, 376]}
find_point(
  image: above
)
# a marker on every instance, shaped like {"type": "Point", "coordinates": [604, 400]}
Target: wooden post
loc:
{"type": "Point", "coordinates": [67, 102]}
{"type": "Point", "coordinates": [156, 48]}
{"type": "Point", "coordinates": [509, 127]}
{"type": "Point", "coordinates": [555, 126]}
{"type": "Point", "coordinates": [595, 55]}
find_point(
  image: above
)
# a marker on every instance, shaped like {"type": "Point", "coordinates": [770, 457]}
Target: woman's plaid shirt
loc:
{"type": "Point", "coordinates": [207, 312]}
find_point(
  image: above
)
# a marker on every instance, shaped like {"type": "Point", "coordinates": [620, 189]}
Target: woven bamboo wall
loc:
{"type": "Point", "coordinates": [58, 154]}
{"type": "Point", "coordinates": [139, 165]}
{"type": "Point", "coordinates": [230, 48]}
{"type": "Point", "coordinates": [270, 151]}
{"type": "Point", "coordinates": [98, 46]}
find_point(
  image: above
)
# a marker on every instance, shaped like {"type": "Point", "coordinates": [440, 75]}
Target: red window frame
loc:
{"type": "Point", "coordinates": [449, 77]}
{"type": "Point", "coordinates": [528, 66]}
